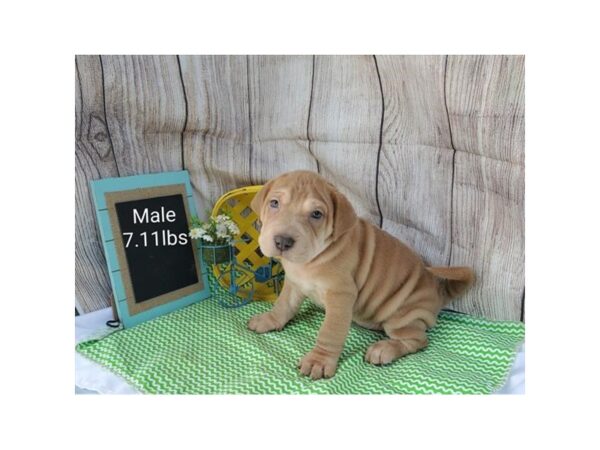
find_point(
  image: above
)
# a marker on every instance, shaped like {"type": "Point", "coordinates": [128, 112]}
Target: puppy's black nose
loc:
{"type": "Point", "coordinates": [283, 243]}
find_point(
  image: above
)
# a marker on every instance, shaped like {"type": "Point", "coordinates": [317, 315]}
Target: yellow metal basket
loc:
{"type": "Point", "coordinates": [268, 272]}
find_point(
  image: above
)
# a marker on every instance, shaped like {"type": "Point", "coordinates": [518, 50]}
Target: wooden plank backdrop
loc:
{"type": "Point", "coordinates": [94, 158]}
{"type": "Point", "coordinates": [430, 148]}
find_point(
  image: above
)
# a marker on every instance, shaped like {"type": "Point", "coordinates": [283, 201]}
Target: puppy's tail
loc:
{"type": "Point", "coordinates": [454, 280]}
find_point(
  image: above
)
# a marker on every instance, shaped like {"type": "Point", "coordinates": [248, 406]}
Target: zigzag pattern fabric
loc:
{"type": "Point", "coordinates": [207, 349]}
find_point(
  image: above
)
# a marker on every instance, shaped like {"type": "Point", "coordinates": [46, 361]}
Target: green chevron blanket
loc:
{"type": "Point", "coordinates": [207, 349]}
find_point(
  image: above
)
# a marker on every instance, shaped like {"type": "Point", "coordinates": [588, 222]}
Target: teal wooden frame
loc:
{"type": "Point", "coordinates": [99, 189]}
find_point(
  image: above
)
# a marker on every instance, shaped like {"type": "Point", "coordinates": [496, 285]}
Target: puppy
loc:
{"type": "Point", "coordinates": [353, 269]}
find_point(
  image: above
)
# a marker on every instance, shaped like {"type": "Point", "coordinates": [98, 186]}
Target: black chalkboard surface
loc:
{"type": "Point", "coordinates": [157, 245]}
{"type": "Point", "coordinates": [153, 265]}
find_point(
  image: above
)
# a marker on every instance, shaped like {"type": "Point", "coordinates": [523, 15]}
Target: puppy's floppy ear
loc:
{"type": "Point", "coordinates": [344, 216]}
{"type": "Point", "coordinates": [258, 200]}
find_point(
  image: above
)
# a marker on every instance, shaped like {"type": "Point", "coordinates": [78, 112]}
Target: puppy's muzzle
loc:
{"type": "Point", "coordinates": [283, 242]}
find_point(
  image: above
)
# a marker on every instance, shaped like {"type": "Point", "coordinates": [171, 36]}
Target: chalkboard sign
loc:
{"type": "Point", "coordinates": [153, 263]}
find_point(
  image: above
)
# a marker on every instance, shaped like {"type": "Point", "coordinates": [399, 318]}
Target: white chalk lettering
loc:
{"type": "Point", "coordinates": [138, 219]}
{"type": "Point", "coordinates": [153, 216]}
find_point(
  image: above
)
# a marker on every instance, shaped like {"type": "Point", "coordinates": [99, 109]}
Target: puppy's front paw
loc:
{"type": "Point", "coordinates": [384, 352]}
{"type": "Point", "coordinates": [318, 363]}
{"type": "Point", "coordinates": [263, 323]}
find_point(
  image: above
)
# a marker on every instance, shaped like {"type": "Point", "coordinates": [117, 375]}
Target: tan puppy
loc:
{"type": "Point", "coordinates": [356, 271]}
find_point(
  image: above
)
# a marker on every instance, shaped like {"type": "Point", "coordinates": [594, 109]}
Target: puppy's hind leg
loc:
{"type": "Point", "coordinates": [402, 341]}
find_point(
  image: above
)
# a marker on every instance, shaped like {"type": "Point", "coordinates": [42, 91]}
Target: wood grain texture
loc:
{"type": "Point", "coordinates": [217, 138]}
{"type": "Point", "coordinates": [431, 148]}
{"type": "Point", "coordinates": [485, 97]}
{"type": "Point", "coordinates": [94, 159]}
{"type": "Point", "coordinates": [280, 97]}
{"type": "Point", "coordinates": [415, 182]}
{"type": "Point", "coordinates": [345, 127]}
{"type": "Point", "coordinates": [146, 114]}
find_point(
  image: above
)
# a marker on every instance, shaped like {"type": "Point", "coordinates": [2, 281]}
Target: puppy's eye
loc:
{"type": "Point", "coordinates": [274, 204]}
{"type": "Point", "coordinates": [316, 214]}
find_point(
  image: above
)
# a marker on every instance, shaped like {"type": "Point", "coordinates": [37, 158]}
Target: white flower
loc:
{"type": "Point", "coordinates": [222, 231]}
{"type": "Point", "coordinates": [196, 233]}
{"type": "Point", "coordinates": [233, 228]}
{"type": "Point", "coordinates": [219, 229]}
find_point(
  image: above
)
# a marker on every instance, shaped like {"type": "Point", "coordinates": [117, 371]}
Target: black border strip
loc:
{"type": "Point", "coordinates": [380, 144]}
